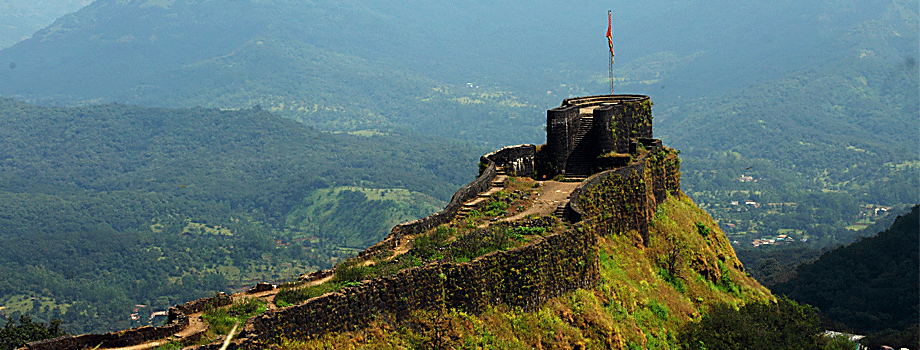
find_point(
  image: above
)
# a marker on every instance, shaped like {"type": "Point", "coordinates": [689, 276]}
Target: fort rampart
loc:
{"type": "Point", "coordinates": [178, 320]}
{"type": "Point", "coordinates": [522, 277]}
{"type": "Point", "coordinates": [519, 160]}
{"type": "Point", "coordinates": [583, 128]}
{"type": "Point", "coordinates": [624, 200]}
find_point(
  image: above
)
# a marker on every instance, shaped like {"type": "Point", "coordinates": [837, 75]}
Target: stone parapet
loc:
{"type": "Point", "coordinates": [178, 321]}
{"type": "Point", "coordinates": [522, 277]}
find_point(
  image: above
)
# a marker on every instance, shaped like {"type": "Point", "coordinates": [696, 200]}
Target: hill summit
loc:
{"type": "Point", "coordinates": [585, 241]}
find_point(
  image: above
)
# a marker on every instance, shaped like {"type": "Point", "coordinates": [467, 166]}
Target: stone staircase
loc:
{"type": "Point", "coordinates": [497, 185]}
{"type": "Point", "coordinates": [578, 165]}
{"type": "Point", "coordinates": [560, 210]}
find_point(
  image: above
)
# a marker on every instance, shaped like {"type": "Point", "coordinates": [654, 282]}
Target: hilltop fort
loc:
{"type": "Point", "coordinates": [526, 230]}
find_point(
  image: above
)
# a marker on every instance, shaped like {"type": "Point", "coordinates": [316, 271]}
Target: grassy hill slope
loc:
{"type": "Point", "coordinates": [636, 304]}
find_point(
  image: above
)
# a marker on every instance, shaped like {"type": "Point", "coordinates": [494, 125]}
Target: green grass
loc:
{"type": "Point", "coordinates": [221, 320]}
{"type": "Point", "coordinates": [636, 303]}
{"type": "Point", "coordinates": [290, 295]}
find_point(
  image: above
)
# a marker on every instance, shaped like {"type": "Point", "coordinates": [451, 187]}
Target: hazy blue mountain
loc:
{"type": "Point", "coordinates": [19, 19]}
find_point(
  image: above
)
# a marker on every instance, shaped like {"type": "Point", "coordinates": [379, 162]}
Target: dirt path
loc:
{"type": "Point", "coordinates": [553, 193]}
{"type": "Point", "coordinates": [195, 327]}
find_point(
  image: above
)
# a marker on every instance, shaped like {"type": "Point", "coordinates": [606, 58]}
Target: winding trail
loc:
{"type": "Point", "coordinates": [197, 326]}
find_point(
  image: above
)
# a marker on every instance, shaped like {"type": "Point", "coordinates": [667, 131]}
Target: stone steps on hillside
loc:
{"type": "Point", "coordinates": [497, 185]}
{"type": "Point", "coordinates": [560, 210]}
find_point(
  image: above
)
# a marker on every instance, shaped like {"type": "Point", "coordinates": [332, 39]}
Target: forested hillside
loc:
{"type": "Point", "coordinates": [817, 110]}
{"type": "Point", "coordinates": [109, 206]}
{"type": "Point", "coordinates": [869, 285]}
{"type": "Point", "coordinates": [21, 18]}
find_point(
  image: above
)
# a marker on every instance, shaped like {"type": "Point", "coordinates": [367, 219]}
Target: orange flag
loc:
{"type": "Point", "coordinates": [610, 33]}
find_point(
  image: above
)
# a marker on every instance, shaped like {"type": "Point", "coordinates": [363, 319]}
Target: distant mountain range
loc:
{"type": "Point", "coordinates": [812, 99]}
{"type": "Point", "coordinates": [21, 18]}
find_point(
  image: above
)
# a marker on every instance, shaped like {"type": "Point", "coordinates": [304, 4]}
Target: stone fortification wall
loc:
{"type": "Point", "coordinates": [624, 200]}
{"type": "Point", "coordinates": [617, 124]}
{"type": "Point", "coordinates": [522, 277]}
{"type": "Point", "coordinates": [466, 193]}
{"type": "Point", "coordinates": [178, 321]}
{"type": "Point", "coordinates": [517, 160]}
{"type": "Point", "coordinates": [123, 338]}
{"type": "Point", "coordinates": [614, 120]}
{"type": "Point", "coordinates": [562, 124]}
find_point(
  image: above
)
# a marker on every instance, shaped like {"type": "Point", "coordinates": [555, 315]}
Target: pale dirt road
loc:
{"type": "Point", "coordinates": [553, 193]}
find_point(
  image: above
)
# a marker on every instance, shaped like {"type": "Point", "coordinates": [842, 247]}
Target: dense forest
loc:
{"type": "Point", "coordinates": [868, 286]}
{"type": "Point", "coordinates": [109, 206]}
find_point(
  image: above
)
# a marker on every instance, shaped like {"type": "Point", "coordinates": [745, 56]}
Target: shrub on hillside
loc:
{"type": "Point", "coordinates": [781, 325]}
{"type": "Point", "coordinates": [13, 336]}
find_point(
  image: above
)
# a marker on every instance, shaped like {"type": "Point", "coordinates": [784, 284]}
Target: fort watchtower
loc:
{"type": "Point", "coordinates": [589, 133]}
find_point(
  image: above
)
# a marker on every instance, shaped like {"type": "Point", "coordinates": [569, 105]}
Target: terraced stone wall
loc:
{"type": "Point", "coordinates": [523, 277]}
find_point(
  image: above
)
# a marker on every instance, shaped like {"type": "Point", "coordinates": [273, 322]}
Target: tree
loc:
{"type": "Point", "coordinates": [781, 325]}
{"type": "Point", "coordinates": [14, 336]}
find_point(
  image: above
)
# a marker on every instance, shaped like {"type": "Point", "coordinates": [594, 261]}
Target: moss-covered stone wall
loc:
{"type": "Point", "coordinates": [523, 277]}
{"type": "Point", "coordinates": [177, 322]}
{"type": "Point", "coordinates": [615, 121]}
{"type": "Point", "coordinates": [612, 202]}
{"type": "Point", "coordinates": [464, 194]}
{"type": "Point", "coordinates": [624, 200]}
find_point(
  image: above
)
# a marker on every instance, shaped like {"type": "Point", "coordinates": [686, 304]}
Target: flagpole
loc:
{"type": "Point", "coordinates": [611, 74]}
{"type": "Point", "coordinates": [610, 42]}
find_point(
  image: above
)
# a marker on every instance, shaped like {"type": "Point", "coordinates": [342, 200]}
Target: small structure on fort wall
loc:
{"type": "Point", "coordinates": [587, 134]}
